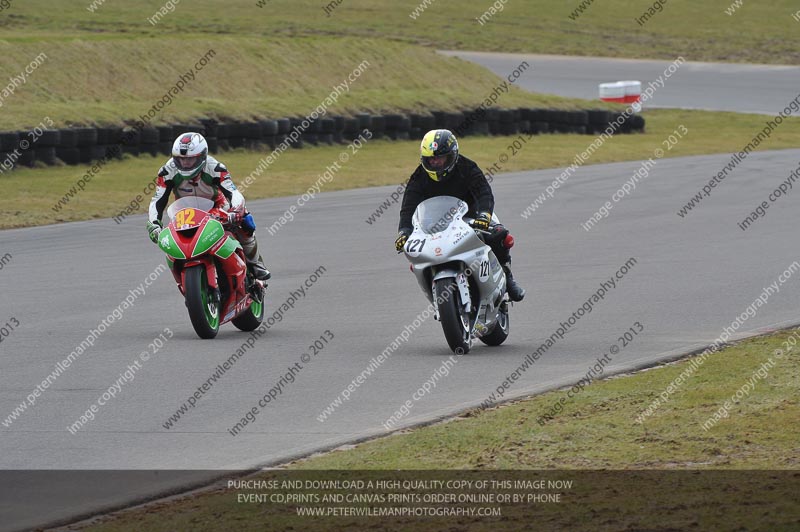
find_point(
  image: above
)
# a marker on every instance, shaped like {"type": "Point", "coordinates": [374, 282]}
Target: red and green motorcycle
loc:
{"type": "Point", "coordinates": [209, 265]}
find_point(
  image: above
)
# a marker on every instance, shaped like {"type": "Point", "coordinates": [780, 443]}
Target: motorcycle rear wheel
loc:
{"type": "Point", "coordinates": [250, 319]}
{"type": "Point", "coordinates": [454, 324]}
{"type": "Point", "coordinates": [203, 309]}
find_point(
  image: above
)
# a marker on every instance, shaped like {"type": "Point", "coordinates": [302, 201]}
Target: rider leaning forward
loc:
{"type": "Point", "coordinates": [443, 172]}
{"type": "Point", "coordinates": [192, 172]}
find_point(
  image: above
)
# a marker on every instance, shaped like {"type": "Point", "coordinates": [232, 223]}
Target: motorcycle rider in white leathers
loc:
{"type": "Point", "coordinates": [192, 172]}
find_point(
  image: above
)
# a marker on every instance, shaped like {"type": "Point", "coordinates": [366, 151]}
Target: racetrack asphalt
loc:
{"type": "Point", "coordinates": [736, 87]}
{"type": "Point", "coordinates": [692, 277]}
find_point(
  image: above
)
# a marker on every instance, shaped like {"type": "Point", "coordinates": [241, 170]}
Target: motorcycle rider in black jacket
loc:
{"type": "Point", "coordinates": [443, 172]}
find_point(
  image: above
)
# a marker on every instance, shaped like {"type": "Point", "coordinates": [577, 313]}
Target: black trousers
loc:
{"type": "Point", "coordinates": [495, 240]}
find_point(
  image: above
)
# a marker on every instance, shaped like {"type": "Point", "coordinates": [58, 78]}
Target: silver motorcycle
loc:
{"type": "Point", "coordinates": [458, 273]}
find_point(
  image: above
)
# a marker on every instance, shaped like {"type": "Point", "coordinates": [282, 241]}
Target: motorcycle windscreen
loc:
{"type": "Point", "coordinates": [189, 202]}
{"type": "Point", "coordinates": [434, 215]}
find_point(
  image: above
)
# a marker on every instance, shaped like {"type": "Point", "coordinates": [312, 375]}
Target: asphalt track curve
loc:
{"type": "Point", "coordinates": [692, 277]}
{"type": "Point", "coordinates": [736, 87]}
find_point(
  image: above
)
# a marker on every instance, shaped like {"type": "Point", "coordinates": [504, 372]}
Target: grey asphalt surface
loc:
{"type": "Point", "coordinates": [693, 276]}
{"type": "Point", "coordinates": [741, 88]}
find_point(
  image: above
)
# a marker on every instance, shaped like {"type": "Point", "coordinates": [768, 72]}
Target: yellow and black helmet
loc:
{"type": "Point", "coordinates": [439, 153]}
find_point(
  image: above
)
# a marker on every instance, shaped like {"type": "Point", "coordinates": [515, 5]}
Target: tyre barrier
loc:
{"type": "Point", "coordinates": [82, 145]}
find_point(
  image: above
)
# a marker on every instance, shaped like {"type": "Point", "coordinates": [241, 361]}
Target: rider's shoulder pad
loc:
{"type": "Point", "coordinates": [168, 171]}
{"type": "Point", "coordinates": [215, 168]}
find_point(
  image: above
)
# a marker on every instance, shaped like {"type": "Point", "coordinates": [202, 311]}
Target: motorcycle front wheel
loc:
{"type": "Point", "coordinates": [501, 328]}
{"type": "Point", "coordinates": [454, 323]}
{"type": "Point", "coordinates": [202, 305]}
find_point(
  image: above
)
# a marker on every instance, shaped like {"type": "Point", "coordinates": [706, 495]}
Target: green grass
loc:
{"type": "Point", "coordinates": [92, 81]}
{"type": "Point", "coordinates": [31, 193]}
{"type": "Point", "coordinates": [757, 32]}
{"type": "Point", "coordinates": [597, 430]}
{"type": "Point", "coordinates": [113, 65]}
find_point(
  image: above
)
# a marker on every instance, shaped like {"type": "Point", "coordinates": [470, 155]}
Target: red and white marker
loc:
{"type": "Point", "coordinates": [629, 92]}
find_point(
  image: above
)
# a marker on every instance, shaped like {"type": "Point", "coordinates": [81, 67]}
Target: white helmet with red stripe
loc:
{"type": "Point", "coordinates": [189, 151]}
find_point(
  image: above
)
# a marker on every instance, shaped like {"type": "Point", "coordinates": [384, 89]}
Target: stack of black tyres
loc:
{"type": "Point", "coordinates": [165, 140]}
{"type": "Point", "coordinates": [284, 129]}
{"type": "Point", "coordinates": [8, 141]}
{"type": "Point", "coordinates": [269, 133]}
{"type": "Point", "coordinates": [84, 145]}
{"type": "Point", "coordinates": [421, 124]}
{"type": "Point", "coordinates": [44, 149]}
{"type": "Point", "coordinates": [149, 139]}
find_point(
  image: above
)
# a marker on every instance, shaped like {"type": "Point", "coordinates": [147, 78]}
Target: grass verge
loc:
{"type": "Point", "coordinates": [712, 30]}
{"type": "Point", "coordinates": [32, 193]}
{"type": "Point", "coordinates": [597, 430]}
{"type": "Point", "coordinates": [101, 82]}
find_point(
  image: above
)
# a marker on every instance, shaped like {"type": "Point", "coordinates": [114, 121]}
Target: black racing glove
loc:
{"type": "Point", "coordinates": [482, 221]}
{"type": "Point", "coordinates": [402, 237]}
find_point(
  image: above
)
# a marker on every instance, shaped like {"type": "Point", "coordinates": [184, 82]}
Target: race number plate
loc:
{"type": "Point", "coordinates": [186, 219]}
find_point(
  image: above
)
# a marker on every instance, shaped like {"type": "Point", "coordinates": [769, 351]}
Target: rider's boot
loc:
{"type": "Point", "coordinates": [254, 261]}
{"type": "Point", "coordinates": [260, 271]}
{"type": "Point", "coordinates": [515, 292]}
